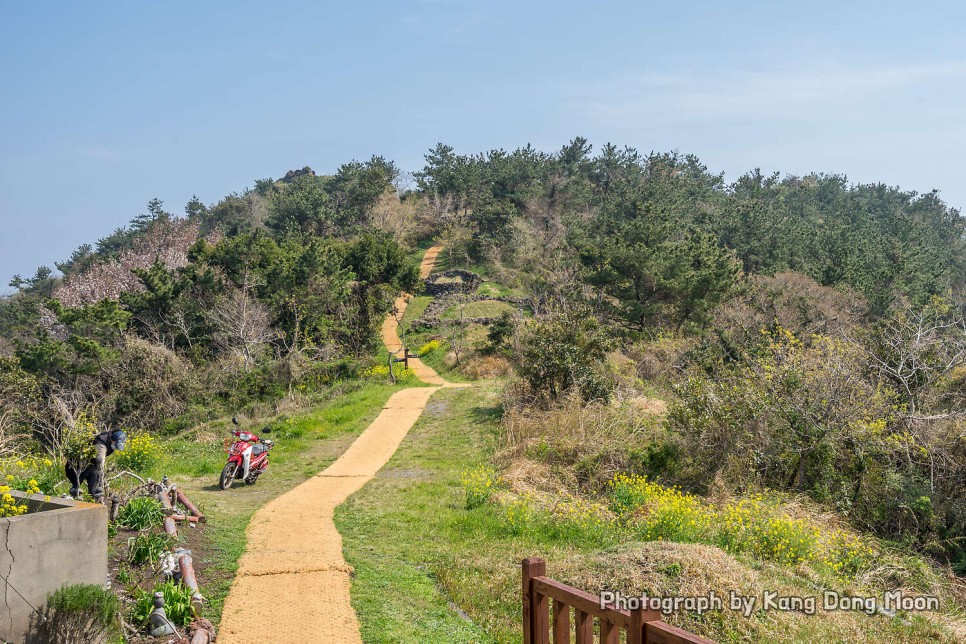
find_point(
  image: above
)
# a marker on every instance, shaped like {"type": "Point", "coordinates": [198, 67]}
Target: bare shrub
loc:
{"type": "Point", "coordinates": [242, 326]}
{"type": "Point", "coordinates": [396, 217]}
{"type": "Point", "coordinates": [657, 357]}
{"type": "Point", "coordinates": [147, 385]}
{"type": "Point", "coordinates": [795, 302]}
{"type": "Point", "coordinates": [9, 436]}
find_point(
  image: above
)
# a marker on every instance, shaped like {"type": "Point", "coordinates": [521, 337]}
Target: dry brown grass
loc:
{"type": "Point", "coordinates": [679, 569]}
{"type": "Point", "coordinates": [480, 366]}
{"type": "Point", "coordinates": [584, 445]}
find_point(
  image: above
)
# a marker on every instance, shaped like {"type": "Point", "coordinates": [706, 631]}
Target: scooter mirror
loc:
{"type": "Point", "coordinates": [267, 430]}
{"type": "Point", "coordinates": [234, 421]}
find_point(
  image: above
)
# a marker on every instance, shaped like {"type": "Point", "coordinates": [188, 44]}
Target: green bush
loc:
{"type": "Point", "coordinates": [141, 513]}
{"type": "Point", "coordinates": [499, 334]}
{"type": "Point", "coordinates": [177, 603]}
{"type": "Point", "coordinates": [81, 613]}
{"type": "Point", "coordinates": [564, 354]}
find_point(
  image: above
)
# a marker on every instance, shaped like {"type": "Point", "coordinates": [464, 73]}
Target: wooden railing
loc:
{"type": "Point", "coordinates": [553, 608]}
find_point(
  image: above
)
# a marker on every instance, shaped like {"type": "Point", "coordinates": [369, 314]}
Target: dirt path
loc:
{"type": "Point", "coordinates": [293, 583]}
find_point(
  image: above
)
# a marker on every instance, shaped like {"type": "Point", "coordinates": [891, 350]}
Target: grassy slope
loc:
{"type": "Point", "coordinates": [417, 552]}
{"type": "Point", "coordinates": [414, 310]}
{"type": "Point", "coordinates": [312, 441]}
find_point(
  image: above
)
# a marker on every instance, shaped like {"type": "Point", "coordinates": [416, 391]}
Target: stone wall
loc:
{"type": "Point", "coordinates": [57, 543]}
{"type": "Point", "coordinates": [468, 283]}
{"type": "Point", "coordinates": [432, 316]}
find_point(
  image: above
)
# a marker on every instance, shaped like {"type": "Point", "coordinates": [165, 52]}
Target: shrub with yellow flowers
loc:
{"type": "Point", "coordinates": [376, 371]}
{"type": "Point", "coordinates": [141, 454]}
{"type": "Point", "coordinates": [658, 512]}
{"type": "Point", "coordinates": [479, 485]}
{"type": "Point", "coordinates": [18, 473]}
{"type": "Point", "coordinates": [845, 554]}
{"type": "Point", "coordinates": [76, 441]}
{"type": "Point", "coordinates": [576, 519]}
{"type": "Point", "coordinates": [518, 514]}
{"type": "Point", "coordinates": [429, 347]}
{"type": "Point", "coordinates": [757, 525]}
{"type": "Point", "coordinates": [11, 506]}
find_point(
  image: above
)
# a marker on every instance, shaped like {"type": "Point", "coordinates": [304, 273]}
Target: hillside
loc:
{"type": "Point", "coordinates": [679, 385]}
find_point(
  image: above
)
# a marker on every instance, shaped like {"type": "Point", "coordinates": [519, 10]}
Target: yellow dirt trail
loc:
{"type": "Point", "coordinates": [293, 583]}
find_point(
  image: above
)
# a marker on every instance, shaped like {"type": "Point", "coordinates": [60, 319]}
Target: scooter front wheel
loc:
{"type": "Point", "coordinates": [227, 476]}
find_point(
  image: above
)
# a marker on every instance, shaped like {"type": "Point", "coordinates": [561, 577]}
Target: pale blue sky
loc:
{"type": "Point", "coordinates": [105, 105]}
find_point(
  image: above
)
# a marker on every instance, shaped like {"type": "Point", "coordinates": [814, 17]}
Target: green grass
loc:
{"type": "Point", "coordinates": [313, 439]}
{"type": "Point", "coordinates": [386, 526]}
{"type": "Point", "coordinates": [437, 360]}
{"type": "Point", "coordinates": [415, 308]}
{"type": "Point", "coordinates": [493, 289]}
{"type": "Point", "coordinates": [480, 309]}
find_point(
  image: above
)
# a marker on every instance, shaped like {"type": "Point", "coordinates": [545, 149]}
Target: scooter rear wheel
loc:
{"type": "Point", "coordinates": [227, 476]}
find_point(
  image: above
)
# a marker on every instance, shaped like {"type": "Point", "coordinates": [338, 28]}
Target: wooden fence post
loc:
{"type": "Point", "coordinates": [532, 567]}
{"type": "Point", "coordinates": [635, 632]}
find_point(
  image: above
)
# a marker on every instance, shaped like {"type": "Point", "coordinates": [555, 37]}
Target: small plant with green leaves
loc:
{"type": "Point", "coordinates": [287, 427]}
{"type": "Point", "coordinates": [147, 547]}
{"type": "Point", "coordinates": [177, 603]}
{"type": "Point", "coordinates": [141, 513]}
{"type": "Point", "coordinates": [478, 485]}
{"type": "Point", "coordinates": [123, 574]}
{"type": "Point", "coordinates": [80, 613]}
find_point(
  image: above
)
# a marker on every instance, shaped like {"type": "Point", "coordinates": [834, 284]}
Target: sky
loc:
{"type": "Point", "coordinates": [105, 105]}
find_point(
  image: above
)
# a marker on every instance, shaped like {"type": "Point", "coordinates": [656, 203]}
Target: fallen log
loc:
{"type": "Point", "coordinates": [192, 508]}
{"type": "Point", "coordinates": [183, 517]}
{"type": "Point", "coordinates": [188, 579]}
{"type": "Point", "coordinates": [165, 502]}
{"type": "Point", "coordinates": [187, 570]}
{"type": "Point", "coordinates": [201, 631]}
{"type": "Point", "coordinates": [170, 527]}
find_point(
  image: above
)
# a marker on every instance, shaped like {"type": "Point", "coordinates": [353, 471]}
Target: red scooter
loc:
{"type": "Point", "coordinates": [247, 457]}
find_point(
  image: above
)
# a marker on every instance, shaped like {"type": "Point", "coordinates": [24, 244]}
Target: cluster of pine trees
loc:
{"type": "Point", "coordinates": [809, 333]}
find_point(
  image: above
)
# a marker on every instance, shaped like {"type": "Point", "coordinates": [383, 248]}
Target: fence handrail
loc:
{"type": "Point", "coordinates": [582, 601]}
{"type": "Point", "coordinates": [641, 626]}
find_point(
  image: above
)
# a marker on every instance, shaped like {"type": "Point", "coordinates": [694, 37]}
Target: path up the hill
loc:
{"type": "Point", "coordinates": [293, 583]}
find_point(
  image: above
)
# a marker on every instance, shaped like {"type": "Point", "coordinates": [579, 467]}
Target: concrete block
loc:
{"type": "Point", "coordinates": [57, 543]}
